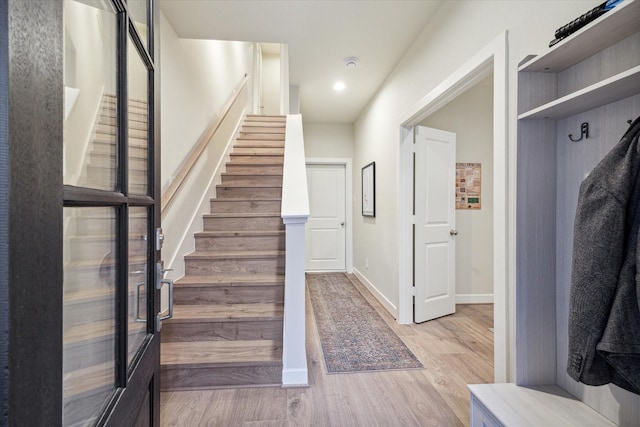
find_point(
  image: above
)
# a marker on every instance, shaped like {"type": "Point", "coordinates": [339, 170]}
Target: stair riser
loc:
{"type": "Point", "coordinates": [260, 136]}
{"type": "Point", "coordinates": [275, 180]}
{"type": "Point", "coordinates": [272, 130]}
{"type": "Point", "coordinates": [225, 206]}
{"type": "Point", "coordinates": [259, 144]}
{"type": "Point", "coordinates": [223, 377]}
{"type": "Point", "coordinates": [264, 123]}
{"type": "Point", "coordinates": [275, 151]}
{"type": "Point", "coordinates": [111, 130]}
{"type": "Point", "coordinates": [240, 243]}
{"type": "Point", "coordinates": [257, 159]}
{"type": "Point", "coordinates": [249, 193]}
{"type": "Point", "coordinates": [259, 223]}
{"type": "Point", "coordinates": [204, 267]}
{"type": "Point", "coordinates": [250, 169]}
{"type": "Point", "coordinates": [229, 294]}
{"type": "Point", "coordinates": [266, 117]}
{"type": "Point", "coordinates": [222, 331]}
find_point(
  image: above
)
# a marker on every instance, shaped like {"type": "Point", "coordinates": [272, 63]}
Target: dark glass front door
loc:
{"type": "Point", "coordinates": [79, 213]}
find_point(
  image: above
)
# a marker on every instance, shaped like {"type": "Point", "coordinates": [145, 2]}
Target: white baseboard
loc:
{"type": "Point", "coordinates": [295, 378]}
{"type": "Point", "coordinates": [474, 298]}
{"type": "Point", "coordinates": [377, 294]}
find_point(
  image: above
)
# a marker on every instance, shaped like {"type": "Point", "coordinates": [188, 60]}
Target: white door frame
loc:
{"type": "Point", "coordinates": [491, 59]}
{"type": "Point", "coordinates": [348, 206]}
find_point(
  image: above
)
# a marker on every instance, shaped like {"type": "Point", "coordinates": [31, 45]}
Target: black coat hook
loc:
{"type": "Point", "coordinates": [584, 132]}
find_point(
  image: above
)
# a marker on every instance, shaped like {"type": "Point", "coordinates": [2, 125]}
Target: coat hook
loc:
{"type": "Point", "coordinates": [584, 132]}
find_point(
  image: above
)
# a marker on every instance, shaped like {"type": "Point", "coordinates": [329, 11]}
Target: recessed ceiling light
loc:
{"type": "Point", "coordinates": [339, 86]}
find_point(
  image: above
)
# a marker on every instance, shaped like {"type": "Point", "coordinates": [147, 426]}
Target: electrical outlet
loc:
{"type": "Point", "coordinates": [366, 263]}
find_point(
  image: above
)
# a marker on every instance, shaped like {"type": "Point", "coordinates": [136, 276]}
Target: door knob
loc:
{"type": "Point", "coordinates": [453, 232]}
{"type": "Point", "coordinates": [342, 223]}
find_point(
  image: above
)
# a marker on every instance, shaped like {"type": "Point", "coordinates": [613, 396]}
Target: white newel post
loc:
{"type": "Point", "coordinates": [294, 354]}
{"type": "Point", "coordinates": [295, 212]}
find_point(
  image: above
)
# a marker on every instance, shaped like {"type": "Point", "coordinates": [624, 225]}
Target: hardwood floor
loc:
{"type": "Point", "coordinates": [456, 350]}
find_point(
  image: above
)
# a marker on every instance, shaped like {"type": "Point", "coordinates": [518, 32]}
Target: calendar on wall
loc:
{"type": "Point", "coordinates": [468, 186]}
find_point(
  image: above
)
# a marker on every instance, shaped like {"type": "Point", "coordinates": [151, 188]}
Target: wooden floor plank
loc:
{"type": "Point", "coordinates": [454, 350]}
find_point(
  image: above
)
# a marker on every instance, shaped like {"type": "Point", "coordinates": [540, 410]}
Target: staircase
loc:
{"type": "Point", "coordinates": [228, 308]}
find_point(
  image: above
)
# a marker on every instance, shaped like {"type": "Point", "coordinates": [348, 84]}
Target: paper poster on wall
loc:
{"type": "Point", "coordinates": [468, 185]}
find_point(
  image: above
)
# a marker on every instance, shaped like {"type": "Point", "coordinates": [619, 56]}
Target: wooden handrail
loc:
{"type": "Point", "coordinates": [185, 168]}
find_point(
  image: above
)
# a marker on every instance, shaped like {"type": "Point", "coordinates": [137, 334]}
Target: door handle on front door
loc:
{"type": "Point", "coordinates": [453, 232]}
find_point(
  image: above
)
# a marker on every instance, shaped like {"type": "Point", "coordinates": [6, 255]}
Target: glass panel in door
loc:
{"type": "Point", "coordinates": [89, 314]}
{"type": "Point", "coordinates": [138, 118]}
{"type": "Point", "coordinates": [89, 145]}
{"type": "Point", "coordinates": [139, 11]}
{"type": "Point", "coordinates": [138, 279]}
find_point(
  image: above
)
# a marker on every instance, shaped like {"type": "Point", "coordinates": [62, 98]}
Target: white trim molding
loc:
{"type": "Point", "coordinates": [474, 298]}
{"type": "Point", "coordinates": [491, 59]}
{"type": "Point", "coordinates": [295, 213]}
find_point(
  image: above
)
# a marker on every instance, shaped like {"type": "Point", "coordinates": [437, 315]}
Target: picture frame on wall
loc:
{"type": "Point", "coordinates": [369, 190]}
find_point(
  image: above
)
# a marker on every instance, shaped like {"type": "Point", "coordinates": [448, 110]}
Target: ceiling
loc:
{"type": "Point", "coordinates": [320, 35]}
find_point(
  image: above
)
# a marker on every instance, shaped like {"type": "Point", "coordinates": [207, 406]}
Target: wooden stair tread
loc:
{"type": "Point", "coordinates": [240, 233]}
{"type": "Point", "coordinates": [250, 175]}
{"type": "Point", "coordinates": [231, 280]}
{"type": "Point", "coordinates": [254, 185]}
{"type": "Point", "coordinates": [227, 312]}
{"type": "Point", "coordinates": [234, 255]}
{"type": "Point", "coordinates": [220, 353]}
{"type": "Point", "coordinates": [241, 214]}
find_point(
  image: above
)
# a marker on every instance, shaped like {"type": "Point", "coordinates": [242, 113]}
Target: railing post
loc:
{"type": "Point", "coordinates": [295, 212]}
{"type": "Point", "coordinates": [294, 355]}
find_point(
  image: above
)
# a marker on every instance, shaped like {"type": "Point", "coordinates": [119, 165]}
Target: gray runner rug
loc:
{"type": "Point", "coordinates": [353, 336]}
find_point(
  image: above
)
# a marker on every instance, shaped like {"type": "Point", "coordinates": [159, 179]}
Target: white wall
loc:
{"type": "Point", "coordinates": [198, 77]}
{"type": "Point", "coordinates": [270, 83]}
{"type": "Point", "coordinates": [328, 140]}
{"type": "Point", "coordinates": [458, 30]}
{"type": "Point", "coordinates": [470, 117]}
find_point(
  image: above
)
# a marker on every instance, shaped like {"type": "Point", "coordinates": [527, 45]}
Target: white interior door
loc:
{"type": "Point", "coordinates": [325, 231]}
{"type": "Point", "coordinates": [434, 237]}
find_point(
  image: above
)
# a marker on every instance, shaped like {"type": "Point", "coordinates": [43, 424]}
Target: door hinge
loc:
{"type": "Point", "coordinates": [412, 219]}
{"type": "Point", "coordinates": [413, 291]}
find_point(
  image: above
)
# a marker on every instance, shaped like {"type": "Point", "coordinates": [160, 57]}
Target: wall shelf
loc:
{"type": "Point", "coordinates": [606, 91]}
{"type": "Point", "coordinates": [610, 28]}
